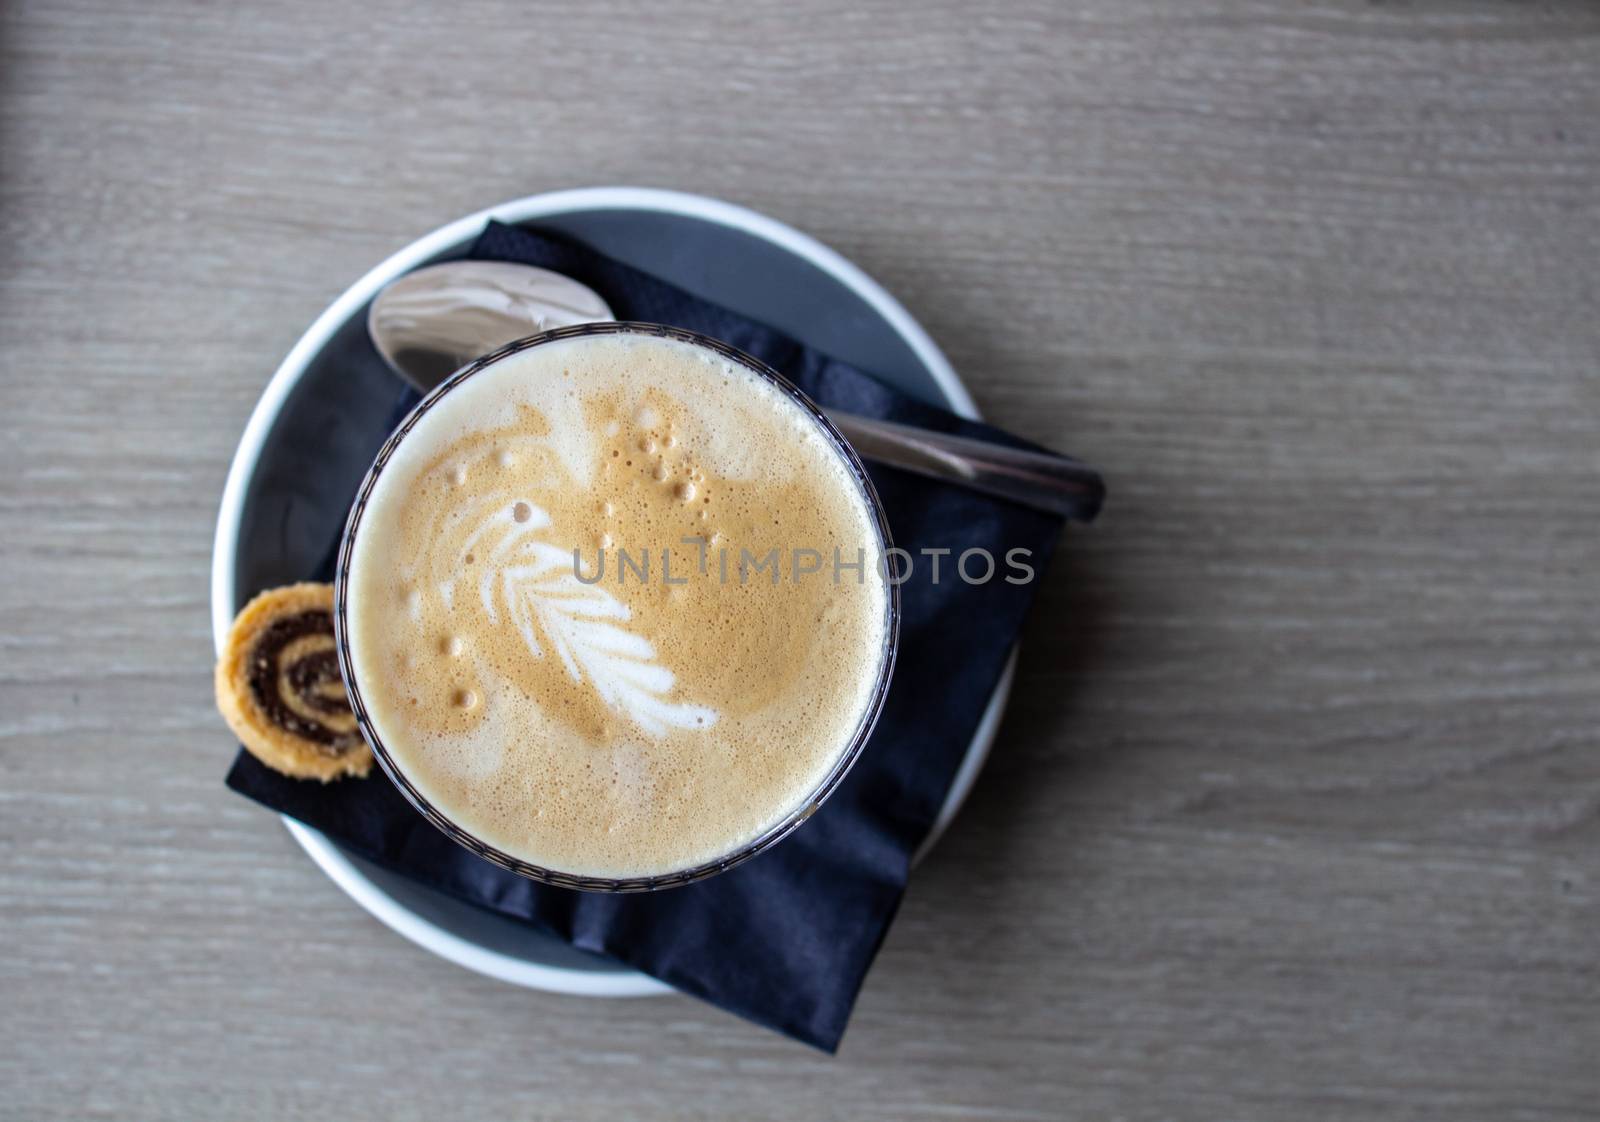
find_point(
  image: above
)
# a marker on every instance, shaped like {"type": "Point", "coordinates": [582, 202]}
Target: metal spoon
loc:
{"type": "Point", "coordinates": [429, 323]}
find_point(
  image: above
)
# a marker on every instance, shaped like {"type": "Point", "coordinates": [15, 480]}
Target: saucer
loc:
{"type": "Point", "coordinates": [326, 411]}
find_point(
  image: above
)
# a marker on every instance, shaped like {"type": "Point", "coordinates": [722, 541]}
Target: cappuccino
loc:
{"type": "Point", "coordinates": [577, 616]}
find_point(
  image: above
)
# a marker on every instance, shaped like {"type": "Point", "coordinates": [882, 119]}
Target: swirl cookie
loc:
{"type": "Point", "coordinates": [279, 689]}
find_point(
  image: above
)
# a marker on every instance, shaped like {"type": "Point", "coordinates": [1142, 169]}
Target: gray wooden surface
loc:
{"type": "Point", "coordinates": [1296, 811]}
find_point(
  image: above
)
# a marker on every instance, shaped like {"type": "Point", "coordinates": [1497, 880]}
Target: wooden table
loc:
{"type": "Point", "coordinates": [1296, 811]}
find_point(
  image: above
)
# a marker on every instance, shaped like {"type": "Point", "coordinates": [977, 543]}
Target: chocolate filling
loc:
{"type": "Point", "coordinates": [309, 677]}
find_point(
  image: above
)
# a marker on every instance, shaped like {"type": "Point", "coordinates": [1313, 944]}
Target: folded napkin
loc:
{"type": "Point", "coordinates": [786, 938]}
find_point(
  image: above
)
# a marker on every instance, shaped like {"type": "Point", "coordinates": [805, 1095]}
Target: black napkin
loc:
{"type": "Point", "coordinates": [786, 938]}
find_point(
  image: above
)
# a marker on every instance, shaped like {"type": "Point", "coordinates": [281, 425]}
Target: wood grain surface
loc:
{"type": "Point", "coordinates": [1297, 808]}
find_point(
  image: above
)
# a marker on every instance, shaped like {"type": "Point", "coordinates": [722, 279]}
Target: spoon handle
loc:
{"type": "Point", "coordinates": [1041, 480]}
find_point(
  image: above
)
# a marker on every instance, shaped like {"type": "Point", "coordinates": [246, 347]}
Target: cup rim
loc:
{"type": "Point", "coordinates": [767, 838]}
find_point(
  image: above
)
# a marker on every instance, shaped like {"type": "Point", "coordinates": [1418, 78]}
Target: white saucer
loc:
{"type": "Point", "coordinates": [276, 521]}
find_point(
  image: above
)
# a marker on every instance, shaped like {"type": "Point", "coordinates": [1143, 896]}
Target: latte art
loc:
{"type": "Point", "coordinates": [535, 586]}
{"type": "Point", "coordinates": [612, 727]}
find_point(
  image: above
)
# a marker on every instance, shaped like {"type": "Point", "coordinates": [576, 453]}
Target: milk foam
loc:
{"type": "Point", "coordinates": [612, 727]}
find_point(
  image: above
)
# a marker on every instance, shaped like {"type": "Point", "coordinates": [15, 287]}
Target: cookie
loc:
{"type": "Point", "coordinates": [279, 689]}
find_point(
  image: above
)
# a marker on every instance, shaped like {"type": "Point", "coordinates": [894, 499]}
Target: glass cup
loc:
{"type": "Point", "coordinates": [776, 831]}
